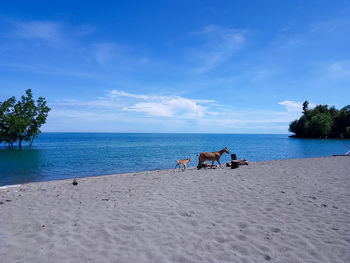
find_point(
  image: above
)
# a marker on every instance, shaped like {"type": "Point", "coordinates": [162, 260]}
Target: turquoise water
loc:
{"type": "Point", "coordinates": [67, 155]}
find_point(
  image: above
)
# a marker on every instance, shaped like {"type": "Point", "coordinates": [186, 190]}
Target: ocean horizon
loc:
{"type": "Point", "coordinates": [63, 155]}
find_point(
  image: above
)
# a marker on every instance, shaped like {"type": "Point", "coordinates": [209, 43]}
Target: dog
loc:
{"type": "Point", "coordinates": [183, 163]}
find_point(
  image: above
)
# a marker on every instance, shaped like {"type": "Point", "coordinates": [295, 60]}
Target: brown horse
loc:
{"type": "Point", "coordinates": [211, 156]}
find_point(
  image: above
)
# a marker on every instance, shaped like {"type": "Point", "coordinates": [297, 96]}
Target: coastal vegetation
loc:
{"type": "Point", "coordinates": [322, 122]}
{"type": "Point", "coordinates": [21, 120]}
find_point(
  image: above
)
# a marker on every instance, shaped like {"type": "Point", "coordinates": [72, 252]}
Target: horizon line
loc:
{"type": "Point", "coordinates": [161, 132]}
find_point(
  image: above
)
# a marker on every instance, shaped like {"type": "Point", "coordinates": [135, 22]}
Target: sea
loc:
{"type": "Point", "coordinates": [56, 156]}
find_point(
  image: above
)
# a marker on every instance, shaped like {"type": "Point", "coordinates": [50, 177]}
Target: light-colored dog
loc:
{"type": "Point", "coordinates": [183, 163]}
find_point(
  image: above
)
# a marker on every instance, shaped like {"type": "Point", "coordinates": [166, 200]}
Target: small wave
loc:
{"type": "Point", "coordinates": [9, 186]}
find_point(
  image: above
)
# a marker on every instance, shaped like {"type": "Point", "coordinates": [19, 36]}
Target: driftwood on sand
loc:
{"type": "Point", "coordinates": [235, 163]}
{"type": "Point", "coordinates": [206, 165]}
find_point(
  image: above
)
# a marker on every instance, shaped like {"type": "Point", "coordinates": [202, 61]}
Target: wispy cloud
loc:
{"type": "Point", "coordinates": [33, 45]}
{"type": "Point", "coordinates": [339, 69]}
{"type": "Point", "coordinates": [106, 52]}
{"type": "Point", "coordinates": [245, 70]}
{"type": "Point", "coordinates": [164, 106]}
{"type": "Point", "coordinates": [132, 109]}
{"type": "Point", "coordinates": [219, 45]}
{"type": "Point", "coordinates": [48, 70]}
{"type": "Point", "coordinates": [44, 30]}
{"type": "Point", "coordinates": [292, 106]}
{"type": "Point", "coordinates": [295, 106]}
{"type": "Point", "coordinates": [120, 93]}
{"type": "Point", "coordinates": [180, 113]}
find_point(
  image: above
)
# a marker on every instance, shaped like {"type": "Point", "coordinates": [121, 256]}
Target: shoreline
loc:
{"type": "Point", "coordinates": [293, 210]}
{"type": "Point", "coordinates": [167, 170]}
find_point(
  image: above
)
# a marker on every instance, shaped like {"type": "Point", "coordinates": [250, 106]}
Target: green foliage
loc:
{"type": "Point", "coordinates": [21, 120]}
{"type": "Point", "coordinates": [305, 106]}
{"type": "Point", "coordinates": [322, 122]}
{"type": "Point", "coordinates": [321, 125]}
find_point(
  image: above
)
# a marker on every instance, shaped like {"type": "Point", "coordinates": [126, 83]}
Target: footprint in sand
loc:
{"type": "Point", "coordinates": [275, 229]}
{"type": "Point", "coordinates": [184, 213]}
{"type": "Point", "coordinates": [220, 239]}
{"type": "Point", "coordinates": [241, 237]}
{"type": "Point", "coordinates": [267, 257]}
{"type": "Point", "coordinates": [242, 225]}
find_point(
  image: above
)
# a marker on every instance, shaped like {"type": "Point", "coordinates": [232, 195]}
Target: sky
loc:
{"type": "Point", "coordinates": [176, 66]}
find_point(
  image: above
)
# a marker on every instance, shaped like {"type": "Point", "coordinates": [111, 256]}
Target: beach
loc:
{"type": "Point", "coordinates": [294, 210]}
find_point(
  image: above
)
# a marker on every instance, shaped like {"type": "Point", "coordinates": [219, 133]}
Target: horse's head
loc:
{"type": "Point", "coordinates": [226, 150]}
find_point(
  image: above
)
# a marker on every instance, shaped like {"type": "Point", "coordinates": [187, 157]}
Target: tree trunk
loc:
{"type": "Point", "coordinates": [20, 143]}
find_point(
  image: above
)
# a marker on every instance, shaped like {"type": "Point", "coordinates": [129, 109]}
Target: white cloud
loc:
{"type": "Point", "coordinates": [152, 109]}
{"type": "Point", "coordinates": [292, 106]}
{"type": "Point", "coordinates": [164, 106]}
{"type": "Point", "coordinates": [295, 106]}
{"type": "Point", "coordinates": [151, 105]}
{"type": "Point", "coordinates": [144, 112]}
{"type": "Point", "coordinates": [120, 93]}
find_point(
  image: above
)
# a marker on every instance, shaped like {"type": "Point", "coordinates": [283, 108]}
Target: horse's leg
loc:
{"type": "Point", "coordinates": [219, 162]}
{"type": "Point", "coordinates": [200, 161]}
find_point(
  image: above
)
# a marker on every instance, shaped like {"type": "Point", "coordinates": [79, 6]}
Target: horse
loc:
{"type": "Point", "coordinates": [211, 156]}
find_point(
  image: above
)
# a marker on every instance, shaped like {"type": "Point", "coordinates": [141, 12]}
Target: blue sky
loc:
{"type": "Point", "coordinates": [176, 66]}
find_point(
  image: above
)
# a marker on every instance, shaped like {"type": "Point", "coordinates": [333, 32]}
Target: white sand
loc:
{"type": "Point", "coordinates": [278, 211]}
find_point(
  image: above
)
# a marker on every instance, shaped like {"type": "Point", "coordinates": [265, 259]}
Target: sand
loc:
{"type": "Point", "coordinates": [278, 211]}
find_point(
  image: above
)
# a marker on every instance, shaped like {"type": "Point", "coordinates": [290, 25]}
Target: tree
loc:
{"type": "Point", "coordinates": [293, 126]}
{"type": "Point", "coordinates": [6, 121]}
{"type": "Point", "coordinates": [321, 125]}
{"type": "Point", "coordinates": [342, 122]}
{"type": "Point", "coordinates": [41, 113]}
{"type": "Point", "coordinates": [21, 120]}
{"type": "Point", "coordinates": [305, 106]}
{"type": "Point", "coordinates": [322, 121]}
